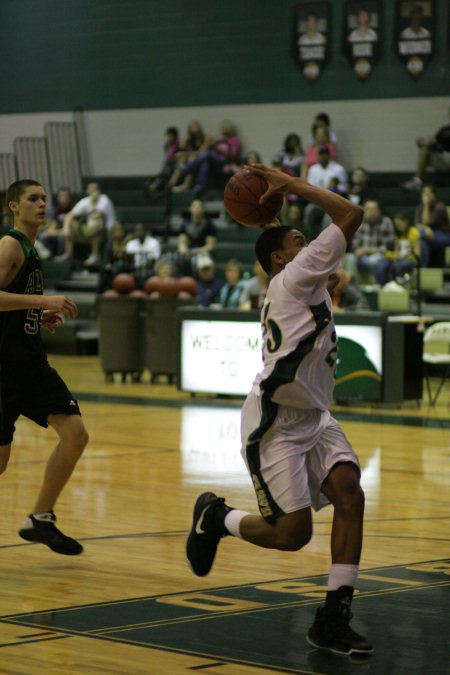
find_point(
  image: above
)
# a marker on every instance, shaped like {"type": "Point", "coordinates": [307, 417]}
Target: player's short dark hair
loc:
{"type": "Point", "coordinates": [16, 189]}
{"type": "Point", "coordinates": [268, 242]}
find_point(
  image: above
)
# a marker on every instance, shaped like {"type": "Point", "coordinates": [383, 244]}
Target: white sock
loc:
{"type": "Point", "coordinates": [27, 524]}
{"type": "Point", "coordinates": [46, 517]}
{"type": "Point", "coordinates": [342, 575]}
{"type": "Point", "coordinates": [233, 520]}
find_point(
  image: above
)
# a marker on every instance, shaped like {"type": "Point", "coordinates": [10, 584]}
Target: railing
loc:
{"type": "Point", "coordinates": [8, 170]}
{"type": "Point", "coordinates": [59, 158]}
{"type": "Point", "coordinates": [32, 160]}
{"type": "Point", "coordinates": [63, 155]}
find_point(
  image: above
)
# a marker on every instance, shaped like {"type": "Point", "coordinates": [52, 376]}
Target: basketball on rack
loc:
{"type": "Point", "coordinates": [241, 199]}
{"type": "Point", "coordinates": [123, 283]}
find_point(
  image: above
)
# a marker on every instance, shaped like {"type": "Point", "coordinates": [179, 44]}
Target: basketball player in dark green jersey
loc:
{"type": "Point", "coordinates": [28, 384]}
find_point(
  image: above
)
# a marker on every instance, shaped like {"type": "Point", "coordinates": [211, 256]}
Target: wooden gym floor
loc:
{"type": "Point", "coordinates": [131, 605]}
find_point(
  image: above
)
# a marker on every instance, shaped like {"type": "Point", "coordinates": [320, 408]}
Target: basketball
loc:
{"type": "Point", "coordinates": [151, 285]}
{"type": "Point", "coordinates": [188, 285]}
{"type": "Point", "coordinates": [168, 286]}
{"type": "Point", "coordinates": [123, 283]}
{"type": "Point", "coordinates": [241, 199]}
{"type": "Point", "coordinates": [137, 294]}
{"type": "Point", "coordinates": [110, 293]}
{"type": "Point", "coordinates": [162, 285]}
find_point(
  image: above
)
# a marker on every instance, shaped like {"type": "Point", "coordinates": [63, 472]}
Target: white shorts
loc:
{"type": "Point", "coordinates": [289, 462]}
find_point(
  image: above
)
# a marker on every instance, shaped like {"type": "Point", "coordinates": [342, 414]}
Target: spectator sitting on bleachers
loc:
{"type": "Point", "coordinates": [434, 152]}
{"type": "Point", "coordinates": [229, 296]}
{"type": "Point", "coordinates": [325, 174]}
{"type": "Point", "coordinates": [220, 159]}
{"type": "Point", "coordinates": [252, 157]}
{"type": "Point", "coordinates": [252, 297]}
{"type": "Point", "coordinates": [194, 142]}
{"type": "Point", "coordinates": [208, 284]}
{"type": "Point", "coordinates": [114, 259]}
{"type": "Point", "coordinates": [322, 119]}
{"type": "Point", "coordinates": [399, 263]}
{"type": "Point", "coordinates": [89, 222]}
{"type": "Point", "coordinates": [359, 190]}
{"type": "Point", "coordinates": [197, 235]}
{"type": "Point", "coordinates": [321, 138]}
{"type": "Point", "coordinates": [431, 217]}
{"type": "Point", "coordinates": [171, 147]}
{"type": "Point", "coordinates": [372, 240]}
{"type": "Point", "coordinates": [345, 296]}
{"type": "Point", "coordinates": [290, 157]}
{"type": "Point", "coordinates": [144, 251]}
{"type": "Point", "coordinates": [51, 235]}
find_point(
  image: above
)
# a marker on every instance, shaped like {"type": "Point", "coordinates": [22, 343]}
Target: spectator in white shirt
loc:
{"type": "Point", "coordinates": [144, 251]}
{"type": "Point", "coordinates": [89, 221]}
{"type": "Point", "coordinates": [326, 174]}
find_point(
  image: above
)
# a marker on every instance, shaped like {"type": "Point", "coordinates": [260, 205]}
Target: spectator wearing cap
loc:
{"type": "Point", "coordinates": [208, 284]}
{"type": "Point", "coordinates": [321, 137]}
{"type": "Point", "coordinates": [328, 174]}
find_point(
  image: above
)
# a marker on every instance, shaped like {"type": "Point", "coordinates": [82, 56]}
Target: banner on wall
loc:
{"type": "Point", "coordinates": [361, 35]}
{"type": "Point", "coordinates": [312, 29]}
{"type": "Point", "coordinates": [415, 34]}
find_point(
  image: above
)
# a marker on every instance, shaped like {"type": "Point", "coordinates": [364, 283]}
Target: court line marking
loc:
{"type": "Point", "coordinates": [212, 614]}
{"type": "Point", "coordinates": [270, 667]}
{"type": "Point", "coordinates": [376, 418]}
{"type": "Point", "coordinates": [172, 650]}
{"type": "Point", "coordinates": [228, 660]}
{"type": "Point", "coordinates": [214, 589]}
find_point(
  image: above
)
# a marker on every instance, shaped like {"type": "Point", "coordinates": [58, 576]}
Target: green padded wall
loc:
{"type": "Point", "coordinates": [56, 55]}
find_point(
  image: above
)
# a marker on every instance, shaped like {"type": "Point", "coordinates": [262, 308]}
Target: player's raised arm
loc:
{"type": "Point", "coordinates": [346, 215]}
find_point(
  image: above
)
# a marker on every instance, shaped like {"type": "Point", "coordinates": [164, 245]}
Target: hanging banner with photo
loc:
{"type": "Point", "coordinates": [415, 33]}
{"type": "Point", "coordinates": [312, 28]}
{"type": "Point", "coordinates": [361, 35]}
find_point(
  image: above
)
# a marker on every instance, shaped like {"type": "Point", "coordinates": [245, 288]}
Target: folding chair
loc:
{"type": "Point", "coordinates": [436, 352]}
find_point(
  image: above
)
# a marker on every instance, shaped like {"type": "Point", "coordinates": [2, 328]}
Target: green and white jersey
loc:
{"type": "Point", "coordinates": [20, 338]}
{"type": "Point", "coordinates": [300, 344]}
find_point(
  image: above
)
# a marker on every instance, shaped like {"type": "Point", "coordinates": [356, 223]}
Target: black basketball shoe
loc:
{"type": "Point", "coordinates": [206, 531]}
{"type": "Point", "coordinates": [46, 532]}
{"type": "Point", "coordinates": [331, 631]}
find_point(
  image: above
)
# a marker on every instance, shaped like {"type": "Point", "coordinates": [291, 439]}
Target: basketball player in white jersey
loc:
{"type": "Point", "coordinates": [297, 454]}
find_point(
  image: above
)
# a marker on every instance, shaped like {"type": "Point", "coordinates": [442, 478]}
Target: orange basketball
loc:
{"type": "Point", "coordinates": [151, 285]}
{"type": "Point", "coordinates": [110, 293]}
{"type": "Point", "coordinates": [241, 199]}
{"type": "Point", "coordinates": [168, 286]}
{"type": "Point", "coordinates": [188, 285]}
{"type": "Point", "coordinates": [123, 283]}
{"type": "Point", "coordinates": [138, 294]}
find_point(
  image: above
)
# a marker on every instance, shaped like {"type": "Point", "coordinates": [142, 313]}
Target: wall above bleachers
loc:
{"type": "Point", "coordinates": [136, 67]}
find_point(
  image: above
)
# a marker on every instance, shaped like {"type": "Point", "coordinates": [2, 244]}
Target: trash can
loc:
{"type": "Point", "coordinates": [161, 337]}
{"type": "Point", "coordinates": [121, 336]}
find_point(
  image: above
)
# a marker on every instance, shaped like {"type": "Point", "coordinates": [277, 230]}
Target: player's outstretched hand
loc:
{"type": "Point", "coordinates": [51, 320]}
{"type": "Point", "coordinates": [277, 180]}
{"type": "Point", "coordinates": [61, 304]}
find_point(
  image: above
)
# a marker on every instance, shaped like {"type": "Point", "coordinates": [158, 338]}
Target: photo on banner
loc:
{"type": "Point", "coordinates": [362, 35]}
{"type": "Point", "coordinates": [415, 34]}
{"type": "Point", "coordinates": [312, 37]}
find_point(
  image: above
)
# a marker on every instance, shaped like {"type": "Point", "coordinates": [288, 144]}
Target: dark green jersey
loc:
{"type": "Point", "coordinates": [20, 338]}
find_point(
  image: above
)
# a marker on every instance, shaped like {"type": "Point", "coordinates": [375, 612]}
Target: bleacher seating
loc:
{"type": "Point", "coordinates": [163, 212]}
